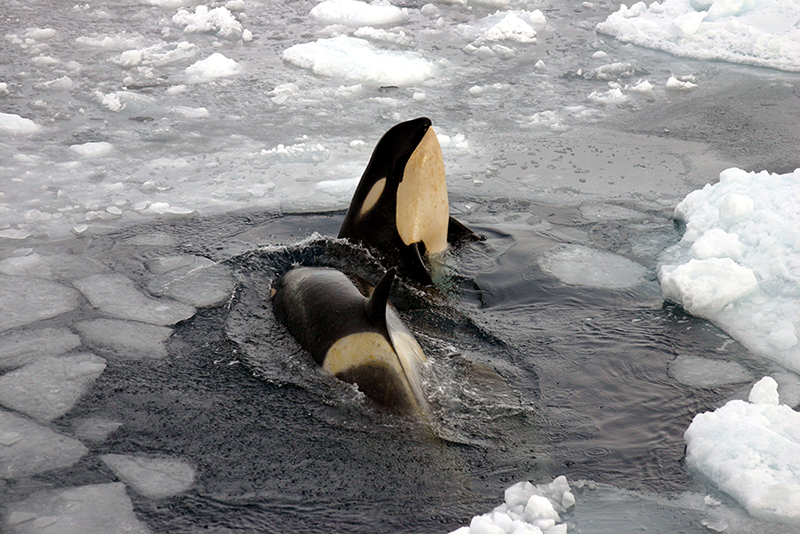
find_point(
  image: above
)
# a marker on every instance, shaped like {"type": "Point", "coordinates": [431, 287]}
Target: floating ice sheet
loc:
{"type": "Point", "coordinates": [751, 450]}
{"type": "Point", "coordinates": [356, 60]}
{"type": "Point", "coordinates": [763, 33]}
{"type": "Point", "coordinates": [20, 347]}
{"type": "Point", "coordinates": [703, 372]}
{"type": "Point", "coordinates": [194, 280]}
{"type": "Point", "coordinates": [14, 124]}
{"type": "Point", "coordinates": [152, 477]}
{"type": "Point", "coordinates": [98, 508]}
{"type": "Point", "coordinates": [738, 262]}
{"type": "Point", "coordinates": [27, 300]}
{"type": "Point", "coordinates": [49, 387]}
{"type": "Point", "coordinates": [116, 295]}
{"type": "Point", "coordinates": [584, 266]}
{"type": "Point", "coordinates": [27, 448]}
{"type": "Point", "coordinates": [127, 339]}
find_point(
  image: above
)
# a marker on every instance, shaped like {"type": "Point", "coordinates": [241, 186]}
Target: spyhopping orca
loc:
{"type": "Point", "coordinates": [358, 340]}
{"type": "Point", "coordinates": [400, 206]}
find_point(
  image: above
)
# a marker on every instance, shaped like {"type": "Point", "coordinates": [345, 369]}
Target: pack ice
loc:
{"type": "Point", "coordinates": [738, 263]}
{"type": "Point", "coordinates": [751, 451]}
{"type": "Point", "coordinates": [762, 33]}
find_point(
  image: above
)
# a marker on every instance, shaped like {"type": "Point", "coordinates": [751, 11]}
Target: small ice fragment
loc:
{"type": "Point", "coordinates": [765, 391]}
{"type": "Point", "coordinates": [14, 124]}
{"type": "Point", "coordinates": [95, 429]}
{"type": "Point", "coordinates": [152, 477]}
{"type": "Point", "coordinates": [213, 67]}
{"type": "Point", "coordinates": [675, 84]}
{"type": "Point", "coordinates": [92, 150]}
{"type": "Point", "coordinates": [579, 265]}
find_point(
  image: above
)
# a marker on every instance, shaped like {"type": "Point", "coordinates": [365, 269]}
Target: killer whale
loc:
{"type": "Point", "coordinates": [400, 208]}
{"type": "Point", "coordinates": [357, 339]}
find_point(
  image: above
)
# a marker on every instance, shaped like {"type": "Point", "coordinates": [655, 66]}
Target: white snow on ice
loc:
{"type": "Point", "coordinates": [760, 32]}
{"type": "Point", "coordinates": [355, 60]}
{"type": "Point", "coordinates": [527, 509]}
{"type": "Point", "coordinates": [751, 450]}
{"type": "Point", "coordinates": [357, 14]}
{"type": "Point", "coordinates": [738, 263]}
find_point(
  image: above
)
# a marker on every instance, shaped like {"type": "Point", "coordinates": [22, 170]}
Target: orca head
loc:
{"type": "Point", "coordinates": [400, 207]}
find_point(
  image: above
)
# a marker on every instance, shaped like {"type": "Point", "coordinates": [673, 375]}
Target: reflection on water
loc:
{"type": "Point", "coordinates": [530, 378]}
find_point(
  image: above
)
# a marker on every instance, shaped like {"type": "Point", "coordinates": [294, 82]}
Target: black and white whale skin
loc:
{"type": "Point", "coordinates": [400, 208]}
{"type": "Point", "coordinates": [359, 340]}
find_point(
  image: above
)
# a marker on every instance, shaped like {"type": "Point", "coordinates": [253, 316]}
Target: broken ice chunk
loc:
{"type": "Point", "coordinates": [50, 387]}
{"type": "Point", "coordinates": [21, 347]}
{"type": "Point", "coordinates": [26, 300]}
{"type": "Point", "coordinates": [193, 280]}
{"type": "Point", "coordinates": [27, 448]}
{"type": "Point", "coordinates": [128, 339]}
{"type": "Point", "coordinates": [95, 508]}
{"type": "Point", "coordinates": [116, 295]}
{"type": "Point", "coordinates": [95, 429]}
{"type": "Point", "coordinates": [152, 477]}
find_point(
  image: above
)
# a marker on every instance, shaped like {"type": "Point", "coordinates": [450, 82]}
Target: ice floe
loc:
{"type": "Point", "coordinates": [738, 263]}
{"type": "Point", "coordinates": [127, 339]}
{"type": "Point", "coordinates": [214, 66]}
{"type": "Point", "coordinates": [152, 477]}
{"type": "Point", "coordinates": [357, 60]}
{"type": "Point", "coordinates": [28, 448]}
{"type": "Point", "coordinates": [762, 33]}
{"type": "Point", "coordinates": [194, 280]}
{"type": "Point", "coordinates": [21, 347]}
{"type": "Point", "coordinates": [102, 508]}
{"type": "Point", "coordinates": [527, 509]}
{"type": "Point", "coordinates": [584, 266]}
{"type": "Point", "coordinates": [94, 429]}
{"type": "Point", "coordinates": [357, 14]}
{"type": "Point", "coordinates": [49, 387]}
{"type": "Point", "coordinates": [14, 124]}
{"type": "Point", "coordinates": [707, 373]}
{"type": "Point", "coordinates": [115, 295]}
{"type": "Point", "coordinates": [27, 300]}
{"type": "Point", "coordinates": [751, 451]}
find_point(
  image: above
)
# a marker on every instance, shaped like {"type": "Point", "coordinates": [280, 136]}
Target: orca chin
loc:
{"type": "Point", "coordinates": [360, 340]}
{"type": "Point", "coordinates": [400, 208]}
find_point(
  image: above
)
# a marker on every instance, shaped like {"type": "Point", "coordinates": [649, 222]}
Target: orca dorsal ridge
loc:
{"type": "Point", "coordinates": [375, 306]}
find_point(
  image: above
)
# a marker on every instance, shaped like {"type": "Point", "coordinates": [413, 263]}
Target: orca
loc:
{"type": "Point", "coordinates": [360, 340]}
{"type": "Point", "coordinates": [400, 208]}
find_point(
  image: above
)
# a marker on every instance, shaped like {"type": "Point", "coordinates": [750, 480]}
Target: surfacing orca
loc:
{"type": "Point", "coordinates": [400, 207]}
{"type": "Point", "coordinates": [359, 340]}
